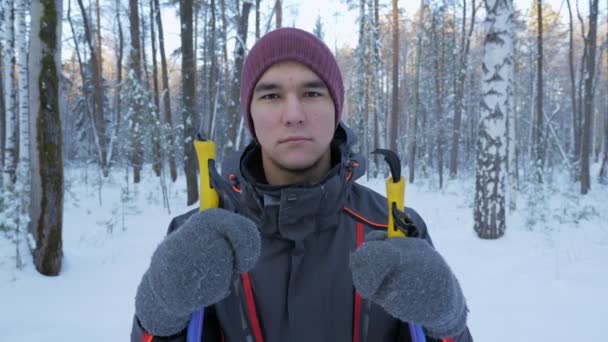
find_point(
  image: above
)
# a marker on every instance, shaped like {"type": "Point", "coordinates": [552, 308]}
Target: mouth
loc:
{"type": "Point", "coordinates": [294, 139]}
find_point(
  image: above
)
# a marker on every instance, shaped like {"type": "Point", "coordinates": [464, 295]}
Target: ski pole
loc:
{"type": "Point", "coordinates": [209, 198]}
{"type": "Point", "coordinates": [395, 190]}
{"type": "Point", "coordinates": [395, 195]}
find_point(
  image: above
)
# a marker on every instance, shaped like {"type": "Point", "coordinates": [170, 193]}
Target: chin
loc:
{"type": "Point", "coordinates": [298, 165]}
{"type": "Point", "coordinates": [300, 162]}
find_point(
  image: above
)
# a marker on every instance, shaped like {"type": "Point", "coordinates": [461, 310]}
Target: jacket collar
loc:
{"type": "Point", "coordinates": [293, 212]}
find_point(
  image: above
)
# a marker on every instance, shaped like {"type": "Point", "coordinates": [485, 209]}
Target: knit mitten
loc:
{"type": "Point", "coordinates": [194, 267]}
{"type": "Point", "coordinates": [411, 281]}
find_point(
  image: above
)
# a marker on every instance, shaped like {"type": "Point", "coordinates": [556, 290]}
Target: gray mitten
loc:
{"type": "Point", "coordinates": [194, 267]}
{"type": "Point", "coordinates": [411, 281]}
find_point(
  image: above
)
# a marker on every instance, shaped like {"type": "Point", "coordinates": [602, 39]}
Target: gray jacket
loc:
{"type": "Point", "coordinates": [301, 286]}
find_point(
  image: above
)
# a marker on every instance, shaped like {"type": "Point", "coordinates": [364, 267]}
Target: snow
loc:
{"type": "Point", "coordinates": [544, 283]}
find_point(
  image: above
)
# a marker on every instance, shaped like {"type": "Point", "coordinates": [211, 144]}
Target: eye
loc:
{"type": "Point", "coordinates": [312, 94]}
{"type": "Point", "coordinates": [269, 96]}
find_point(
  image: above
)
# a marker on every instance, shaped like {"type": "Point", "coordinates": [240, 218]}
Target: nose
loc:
{"type": "Point", "coordinates": [293, 112]}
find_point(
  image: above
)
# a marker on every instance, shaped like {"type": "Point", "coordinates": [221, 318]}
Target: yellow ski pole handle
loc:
{"type": "Point", "coordinates": [395, 193]}
{"type": "Point", "coordinates": [205, 152]}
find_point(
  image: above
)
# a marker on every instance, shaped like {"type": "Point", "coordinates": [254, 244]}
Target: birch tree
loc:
{"type": "Point", "coordinates": [10, 101]}
{"type": "Point", "coordinates": [489, 209]}
{"type": "Point", "coordinates": [46, 211]}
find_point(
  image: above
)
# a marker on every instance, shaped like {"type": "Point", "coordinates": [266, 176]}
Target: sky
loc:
{"type": "Point", "coordinates": [339, 23]}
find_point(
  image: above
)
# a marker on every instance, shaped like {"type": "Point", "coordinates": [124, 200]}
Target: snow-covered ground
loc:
{"type": "Point", "coordinates": [548, 283]}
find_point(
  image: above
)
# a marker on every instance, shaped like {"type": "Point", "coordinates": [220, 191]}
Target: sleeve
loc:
{"type": "Point", "coordinates": [138, 334]}
{"type": "Point", "coordinates": [403, 335]}
{"type": "Point", "coordinates": [212, 331]}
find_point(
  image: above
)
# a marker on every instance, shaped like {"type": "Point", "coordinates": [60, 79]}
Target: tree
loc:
{"type": "Point", "coordinates": [539, 148]}
{"type": "Point", "coordinates": [235, 124]}
{"type": "Point", "coordinates": [489, 209]}
{"type": "Point", "coordinates": [135, 101]}
{"type": "Point", "coordinates": [46, 149]}
{"type": "Point", "coordinates": [591, 42]}
{"type": "Point", "coordinates": [575, 110]}
{"type": "Point", "coordinates": [278, 8]}
{"type": "Point", "coordinates": [10, 101]}
{"type": "Point", "coordinates": [166, 94]}
{"type": "Point", "coordinates": [394, 118]}
{"type": "Point", "coordinates": [413, 122]}
{"type": "Point", "coordinates": [98, 94]}
{"type": "Point", "coordinates": [461, 75]}
{"type": "Point", "coordinates": [188, 99]}
{"type": "Point", "coordinates": [318, 29]}
{"type": "Point", "coordinates": [157, 163]}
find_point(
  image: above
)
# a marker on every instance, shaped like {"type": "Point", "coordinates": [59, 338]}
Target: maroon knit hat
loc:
{"type": "Point", "coordinates": [290, 44]}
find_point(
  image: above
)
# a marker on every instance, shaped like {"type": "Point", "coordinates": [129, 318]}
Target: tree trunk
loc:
{"type": "Point", "coordinates": [3, 110]}
{"type": "Point", "coordinates": [98, 120]}
{"type": "Point", "coordinates": [119, 85]}
{"type": "Point", "coordinates": [575, 132]}
{"type": "Point", "coordinates": [135, 67]}
{"type": "Point", "coordinates": [188, 99]}
{"type": "Point", "coordinates": [46, 149]}
{"type": "Point", "coordinates": [226, 84]}
{"type": "Point", "coordinates": [10, 101]}
{"type": "Point", "coordinates": [257, 19]}
{"type": "Point", "coordinates": [239, 56]}
{"type": "Point", "coordinates": [603, 176]}
{"type": "Point", "coordinates": [157, 159]}
{"type": "Point", "coordinates": [278, 8]}
{"type": "Point", "coordinates": [145, 79]}
{"type": "Point", "coordinates": [166, 95]}
{"type": "Point", "coordinates": [588, 105]}
{"type": "Point", "coordinates": [439, 94]}
{"type": "Point", "coordinates": [461, 77]}
{"type": "Point", "coordinates": [394, 119]}
{"type": "Point", "coordinates": [213, 74]}
{"type": "Point", "coordinates": [411, 153]}
{"type": "Point", "coordinates": [489, 212]}
{"type": "Point", "coordinates": [539, 149]}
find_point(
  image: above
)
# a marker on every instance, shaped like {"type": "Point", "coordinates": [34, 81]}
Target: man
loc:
{"type": "Point", "coordinates": [284, 259]}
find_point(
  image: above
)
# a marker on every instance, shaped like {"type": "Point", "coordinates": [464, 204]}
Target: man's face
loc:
{"type": "Point", "coordinates": [294, 118]}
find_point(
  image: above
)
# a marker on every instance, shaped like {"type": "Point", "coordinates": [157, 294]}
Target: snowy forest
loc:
{"type": "Point", "coordinates": [507, 99]}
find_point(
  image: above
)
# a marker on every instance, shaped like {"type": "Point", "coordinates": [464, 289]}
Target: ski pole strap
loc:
{"type": "Point", "coordinates": [195, 327]}
{"type": "Point", "coordinates": [416, 333]}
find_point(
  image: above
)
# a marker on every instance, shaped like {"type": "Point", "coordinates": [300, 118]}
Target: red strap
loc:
{"type": "Point", "coordinates": [147, 337]}
{"type": "Point", "coordinates": [253, 316]}
{"type": "Point", "coordinates": [449, 339]}
{"type": "Point", "coordinates": [358, 300]}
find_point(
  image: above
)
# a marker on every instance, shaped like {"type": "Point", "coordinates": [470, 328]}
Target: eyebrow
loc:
{"type": "Point", "coordinates": [265, 87]}
{"type": "Point", "coordinates": [316, 84]}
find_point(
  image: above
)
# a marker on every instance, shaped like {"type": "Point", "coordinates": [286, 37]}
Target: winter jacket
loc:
{"type": "Point", "coordinates": [301, 288]}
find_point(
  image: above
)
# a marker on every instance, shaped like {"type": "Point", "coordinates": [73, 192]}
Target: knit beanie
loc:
{"type": "Point", "coordinates": [290, 44]}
